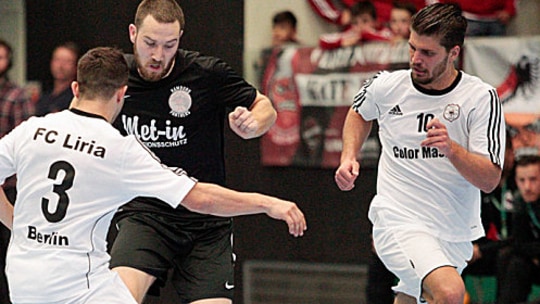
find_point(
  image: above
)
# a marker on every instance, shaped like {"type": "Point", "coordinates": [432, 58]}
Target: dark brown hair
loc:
{"type": "Point", "coordinates": [528, 159]}
{"type": "Point", "coordinates": [101, 72]}
{"type": "Point", "coordinates": [71, 46]}
{"type": "Point", "coordinates": [443, 21]}
{"type": "Point", "coordinates": [407, 6]}
{"type": "Point", "coordinates": [285, 17]}
{"type": "Point", "coordinates": [364, 7]}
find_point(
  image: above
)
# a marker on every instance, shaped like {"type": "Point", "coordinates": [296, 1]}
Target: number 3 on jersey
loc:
{"type": "Point", "coordinates": [60, 190]}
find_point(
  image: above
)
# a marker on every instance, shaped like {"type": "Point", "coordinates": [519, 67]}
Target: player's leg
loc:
{"type": "Point", "coordinates": [142, 252]}
{"type": "Point", "coordinates": [402, 298]}
{"type": "Point", "coordinates": [206, 275]}
{"type": "Point", "coordinates": [423, 263]}
{"type": "Point", "coordinates": [444, 285]}
{"type": "Point", "coordinates": [138, 282]}
{"type": "Point", "coordinates": [106, 288]}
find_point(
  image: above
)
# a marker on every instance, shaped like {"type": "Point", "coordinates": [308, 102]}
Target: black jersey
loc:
{"type": "Point", "coordinates": [181, 117]}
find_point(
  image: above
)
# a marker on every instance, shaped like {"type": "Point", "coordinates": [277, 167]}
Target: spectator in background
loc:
{"type": "Point", "coordinates": [64, 71]}
{"type": "Point", "coordinates": [284, 28]}
{"type": "Point", "coordinates": [486, 17]}
{"type": "Point", "coordinates": [400, 20]}
{"type": "Point", "coordinates": [364, 27]}
{"type": "Point", "coordinates": [283, 34]}
{"type": "Point", "coordinates": [519, 266]}
{"type": "Point", "coordinates": [15, 107]}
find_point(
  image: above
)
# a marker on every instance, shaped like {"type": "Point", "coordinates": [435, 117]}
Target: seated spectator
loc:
{"type": "Point", "coordinates": [486, 17]}
{"type": "Point", "coordinates": [518, 266]}
{"type": "Point", "coordinates": [284, 28]}
{"type": "Point", "coordinates": [364, 27]}
{"type": "Point", "coordinates": [400, 20]}
{"type": "Point", "coordinates": [63, 67]}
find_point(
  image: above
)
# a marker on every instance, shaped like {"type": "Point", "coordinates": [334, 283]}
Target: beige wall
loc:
{"type": "Point", "coordinates": [527, 21]}
{"type": "Point", "coordinates": [13, 30]}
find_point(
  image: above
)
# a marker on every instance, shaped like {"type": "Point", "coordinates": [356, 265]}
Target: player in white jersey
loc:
{"type": "Point", "coordinates": [442, 133]}
{"type": "Point", "coordinates": [74, 170]}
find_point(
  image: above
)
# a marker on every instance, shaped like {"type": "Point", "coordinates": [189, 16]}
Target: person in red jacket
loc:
{"type": "Point", "coordinates": [364, 27]}
{"type": "Point", "coordinates": [486, 17]}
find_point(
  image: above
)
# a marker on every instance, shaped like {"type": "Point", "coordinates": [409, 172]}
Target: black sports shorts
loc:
{"type": "Point", "coordinates": [199, 253]}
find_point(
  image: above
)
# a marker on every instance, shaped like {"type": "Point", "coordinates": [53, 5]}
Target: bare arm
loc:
{"type": "Point", "coordinates": [216, 200]}
{"type": "Point", "coordinates": [355, 132]}
{"type": "Point", "coordinates": [475, 168]}
{"type": "Point", "coordinates": [255, 121]}
{"type": "Point", "coordinates": [6, 210]}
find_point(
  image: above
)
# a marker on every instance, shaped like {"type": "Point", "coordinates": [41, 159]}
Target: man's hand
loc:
{"type": "Point", "coordinates": [243, 123]}
{"type": "Point", "coordinates": [291, 214]}
{"type": "Point", "coordinates": [437, 137]}
{"type": "Point", "coordinates": [346, 174]}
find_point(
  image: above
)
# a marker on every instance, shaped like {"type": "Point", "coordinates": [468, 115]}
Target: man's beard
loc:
{"type": "Point", "coordinates": [152, 77]}
{"type": "Point", "coordinates": [437, 71]}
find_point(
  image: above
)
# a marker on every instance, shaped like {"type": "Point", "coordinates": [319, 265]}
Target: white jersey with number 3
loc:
{"type": "Point", "coordinates": [421, 183]}
{"type": "Point", "coordinates": [73, 171]}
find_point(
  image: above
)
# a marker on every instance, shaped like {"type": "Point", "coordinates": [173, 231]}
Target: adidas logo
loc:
{"type": "Point", "coordinates": [395, 111]}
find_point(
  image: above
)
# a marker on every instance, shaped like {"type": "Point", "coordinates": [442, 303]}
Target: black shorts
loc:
{"type": "Point", "coordinates": [199, 253]}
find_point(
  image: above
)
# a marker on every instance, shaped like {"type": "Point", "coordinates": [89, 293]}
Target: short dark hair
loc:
{"type": "Point", "coordinates": [71, 46]}
{"type": "Point", "coordinates": [101, 72]}
{"type": "Point", "coordinates": [284, 17]}
{"type": "Point", "coordinates": [442, 20]}
{"type": "Point", "coordinates": [528, 159]}
{"type": "Point", "coordinates": [9, 49]}
{"type": "Point", "coordinates": [164, 11]}
{"type": "Point", "coordinates": [364, 7]}
{"type": "Point", "coordinates": [407, 6]}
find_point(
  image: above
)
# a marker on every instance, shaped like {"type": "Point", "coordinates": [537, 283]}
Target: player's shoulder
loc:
{"type": "Point", "coordinates": [203, 64]}
{"type": "Point", "coordinates": [386, 76]}
{"type": "Point", "coordinates": [475, 82]}
{"type": "Point", "coordinates": [56, 117]}
{"type": "Point", "coordinates": [205, 61]}
{"type": "Point", "coordinates": [386, 81]}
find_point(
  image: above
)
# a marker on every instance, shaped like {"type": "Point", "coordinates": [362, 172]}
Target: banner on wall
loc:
{"type": "Point", "coordinates": [512, 65]}
{"type": "Point", "coordinates": [312, 91]}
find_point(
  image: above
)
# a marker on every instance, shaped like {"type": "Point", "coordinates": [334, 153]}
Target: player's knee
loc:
{"type": "Point", "coordinates": [450, 293]}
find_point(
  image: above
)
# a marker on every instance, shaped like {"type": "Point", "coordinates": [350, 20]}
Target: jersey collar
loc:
{"type": "Point", "coordinates": [439, 92]}
{"type": "Point", "coordinates": [87, 114]}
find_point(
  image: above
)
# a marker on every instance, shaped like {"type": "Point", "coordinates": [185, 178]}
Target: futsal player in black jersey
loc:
{"type": "Point", "coordinates": [177, 103]}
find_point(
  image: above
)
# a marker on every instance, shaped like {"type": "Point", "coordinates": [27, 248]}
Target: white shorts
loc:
{"type": "Point", "coordinates": [411, 252]}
